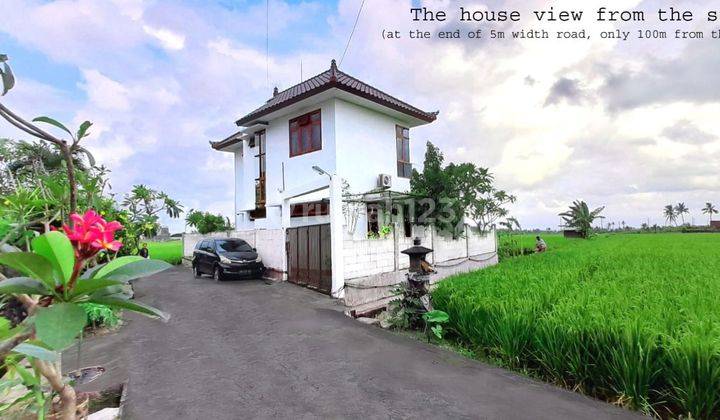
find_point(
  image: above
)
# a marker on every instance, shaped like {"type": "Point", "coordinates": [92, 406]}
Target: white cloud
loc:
{"type": "Point", "coordinates": [105, 93]}
{"type": "Point", "coordinates": [168, 39]}
{"type": "Point", "coordinates": [622, 132]}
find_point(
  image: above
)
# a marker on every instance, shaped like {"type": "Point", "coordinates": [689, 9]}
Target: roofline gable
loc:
{"type": "Point", "coordinates": [334, 79]}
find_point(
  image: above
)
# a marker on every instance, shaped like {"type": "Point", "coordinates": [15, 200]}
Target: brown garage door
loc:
{"type": "Point", "coordinates": [309, 259]}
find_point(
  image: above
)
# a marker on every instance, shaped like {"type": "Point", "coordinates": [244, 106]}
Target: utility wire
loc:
{"type": "Point", "coordinates": [357, 18]}
{"type": "Point", "coordinates": [267, 44]}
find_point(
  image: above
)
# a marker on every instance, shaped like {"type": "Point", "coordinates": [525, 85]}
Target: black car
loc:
{"type": "Point", "coordinates": [225, 257]}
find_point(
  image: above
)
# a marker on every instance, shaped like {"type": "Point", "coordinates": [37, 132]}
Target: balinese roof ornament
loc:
{"type": "Point", "coordinates": [333, 70]}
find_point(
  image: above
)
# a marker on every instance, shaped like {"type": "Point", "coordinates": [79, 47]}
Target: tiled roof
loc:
{"type": "Point", "coordinates": [334, 78]}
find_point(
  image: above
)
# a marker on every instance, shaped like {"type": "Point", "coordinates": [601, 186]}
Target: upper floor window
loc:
{"type": "Point", "coordinates": [402, 144]}
{"type": "Point", "coordinates": [305, 134]}
{"type": "Point", "coordinates": [259, 140]}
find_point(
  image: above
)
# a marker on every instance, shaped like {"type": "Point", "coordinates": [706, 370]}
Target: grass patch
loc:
{"type": "Point", "coordinates": [169, 251]}
{"type": "Point", "coordinates": [629, 318]}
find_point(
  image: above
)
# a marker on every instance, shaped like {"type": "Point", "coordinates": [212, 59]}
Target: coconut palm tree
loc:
{"type": "Point", "coordinates": [681, 210]}
{"type": "Point", "coordinates": [709, 209]}
{"type": "Point", "coordinates": [670, 215]}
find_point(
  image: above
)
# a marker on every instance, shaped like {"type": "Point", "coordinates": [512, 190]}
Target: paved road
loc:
{"type": "Point", "coordinates": [246, 349]}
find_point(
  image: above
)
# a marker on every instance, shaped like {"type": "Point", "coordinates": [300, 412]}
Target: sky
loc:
{"type": "Point", "coordinates": [631, 126]}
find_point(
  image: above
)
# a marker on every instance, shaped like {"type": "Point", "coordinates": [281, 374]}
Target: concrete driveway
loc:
{"type": "Point", "coordinates": [246, 349]}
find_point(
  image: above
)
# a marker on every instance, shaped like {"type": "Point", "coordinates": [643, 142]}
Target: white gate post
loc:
{"type": "Point", "coordinates": [336, 237]}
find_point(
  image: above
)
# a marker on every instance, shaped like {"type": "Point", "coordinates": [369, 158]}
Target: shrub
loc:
{"type": "Point", "coordinates": [206, 222]}
{"type": "Point", "coordinates": [101, 315]}
{"type": "Point", "coordinates": [406, 311]}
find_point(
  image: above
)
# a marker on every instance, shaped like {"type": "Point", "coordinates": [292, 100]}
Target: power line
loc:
{"type": "Point", "coordinates": [357, 18]}
{"type": "Point", "coordinates": [267, 44]}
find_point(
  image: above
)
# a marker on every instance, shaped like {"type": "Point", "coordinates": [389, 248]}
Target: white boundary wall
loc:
{"type": "Point", "coordinates": [374, 266]}
{"type": "Point", "coordinates": [270, 244]}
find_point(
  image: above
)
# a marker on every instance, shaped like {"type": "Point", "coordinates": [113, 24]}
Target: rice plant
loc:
{"type": "Point", "coordinates": [630, 318]}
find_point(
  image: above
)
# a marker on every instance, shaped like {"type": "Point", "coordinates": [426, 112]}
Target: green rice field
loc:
{"type": "Point", "coordinates": [629, 318]}
{"type": "Point", "coordinates": [170, 251]}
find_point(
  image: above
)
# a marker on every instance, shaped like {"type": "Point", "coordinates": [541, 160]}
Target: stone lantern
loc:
{"type": "Point", "coordinates": [419, 271]}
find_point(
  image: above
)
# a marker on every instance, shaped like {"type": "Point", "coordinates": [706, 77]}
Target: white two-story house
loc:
{"type": "Point", "coordinates": [301, 152]}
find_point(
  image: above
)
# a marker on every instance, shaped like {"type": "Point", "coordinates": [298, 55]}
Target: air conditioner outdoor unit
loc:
{"type": "Point", "coordinates": [384, 181]}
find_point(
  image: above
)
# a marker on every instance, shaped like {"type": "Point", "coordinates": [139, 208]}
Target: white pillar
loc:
{"type": "Point", "coordinates": [285, 214]}
{"type": "Point", "coordinates": [284, 225]}
{"type": "Point", "coordinates": [336, 237]}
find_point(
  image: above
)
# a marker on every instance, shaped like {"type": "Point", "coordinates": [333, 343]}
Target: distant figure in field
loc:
{"type": "Point", "coordinates": [540, 245]}
{"type": "Point", "coordinates": [144, 252]}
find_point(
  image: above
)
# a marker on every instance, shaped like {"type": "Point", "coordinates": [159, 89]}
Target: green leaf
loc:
{"type": "Point", "coordinates": [132, 306]}
{"type": "Point", "coordinates": [82, 131]}
{"type": "Point", "coordinates": [7, 384]}
{"type": "Point", "coordinates": [6, 407]}
{"type": "Point", "coordinates": [115, 264]}
{"type": "Point", "coordinates": [88, 286]}
{"type": "Point", "coordinates": [438, 331]}
{"type": "Point", "coordinates": [58, 250]}
{"type": "Point", "coordinates": [8, 79]}
{"type": "Point", "coordinates": [31, 265]}
{"type": "Point", "coordinates": [122, 291]}
{"type": "Point", "coordinates": [51, 121]}
{"type": "Point", "coordinates": [135, 269]}
{"type": "Point", "coordinates": [7, 331]}
{"type": "Point", "coordinates": [58, 325]}
{"type": "Point", "coordinates": [28, 378]}
{"type": "Point", "coordinates": [436, 317]}
{"type": "Point", "coordinates": [5, 327]}
{"type": "Point", "coordinates": [88, 155]}
{"type": "Point", "coordinates": [36, 351]}
{"type": "Point", "coordinates": [90, 272]}
{"type": "Point", "coordinates": [23, 285]}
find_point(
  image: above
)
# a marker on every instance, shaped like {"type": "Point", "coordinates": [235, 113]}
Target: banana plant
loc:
{"type": "Point", "coordinates": [54, 280]}
{"type": "Point", "coordinates": [581, 218]}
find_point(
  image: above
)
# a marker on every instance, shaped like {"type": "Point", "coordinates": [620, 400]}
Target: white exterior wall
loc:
{"type": "Point", "coordinates": [367, 257]}
{"type": "Point", "coordinates": [358, 143]}
{"type": "Point", "coordinates": [480, 244]}
{"type": "Point", "coordinates": [366, 147]}
{"type": "Point", "coordinates": [445, 248]}
{"type": "Point", "coordinates": [297, 170]}
{"type": "Point", "coordinates": [370, 273]}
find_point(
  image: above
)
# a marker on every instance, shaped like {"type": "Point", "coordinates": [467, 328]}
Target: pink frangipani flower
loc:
{"type": "Point", "coordinates": [90, 233]}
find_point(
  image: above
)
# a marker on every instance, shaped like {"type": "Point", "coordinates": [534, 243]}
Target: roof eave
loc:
{"type": "Point", "coordinates": [221, 145]}
{"type": "Point", "coordinates": [227, 142]}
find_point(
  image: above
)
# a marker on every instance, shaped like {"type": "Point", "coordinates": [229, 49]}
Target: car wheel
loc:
{"type": "Point", "coordinates": [196, 272]}
{"type": "Point", "coordinates": [217, 274]}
